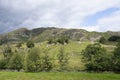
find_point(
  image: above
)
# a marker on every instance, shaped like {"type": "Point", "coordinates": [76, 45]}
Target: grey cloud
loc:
{"type": "Point", "coordinates": [61, 13]}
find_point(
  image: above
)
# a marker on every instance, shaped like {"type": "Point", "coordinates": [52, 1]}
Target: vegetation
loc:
{"type": "Point", "coordinates": [30, 44]}
{"type": "Point", "coordinates": [47, 64]}
{"type": "Point", "coordinates": [16, 62]}
{"type": "Point", "coordinates": [96, 58]}
{"type": "Point", "coordinates": [7, 51]}
{"type": "Point", "coordinates": [43, 34]}
{"type": "Point", "coordinates": [102, 40]}
{"type": "Point", "coordinates": [61, 40]}
{"type": "Point", "coordinates": [46, 57]}
{"type": "Point", "coordinates": [62, 60]}
{"type": "Point", "coordinates": [116, 58]}
{"type": "Point", "coordinates": [64, 55]}
{"type": "Point", "coordinates": [58, 76]}
{"type": "Point", "coordinates": [33, 63]}
{"type": "Point", "coordinates": [19, 45]}
{"type": "Point", "coordinates": [114, 38]}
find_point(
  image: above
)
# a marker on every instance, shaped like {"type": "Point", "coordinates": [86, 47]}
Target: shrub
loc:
{"type": "Point", "coordinates": [19, 45]}
{"type": "Point", "coordinates": [114, 38]}
{"type": "Point", "coordinates": [62, 59]}
{"type": "Point", "coordinates": [7, 51]}
{"type": "Point", "coordinates": [95, 58]}
{"type": "Point", "coordinates": [46, 62]}
{"type": "Point", "coordinates": [16, 62]}
{"type": "Point", "coordinates": [102, 40]}
{"type": "Point", "coordinates": [3, 64]}
{"type": "Point", "coordinates": [116, 58]}
{"type": "Point", "coordinates": [30, 44]}
{"type": "Point", "coordinates": [33, 61]}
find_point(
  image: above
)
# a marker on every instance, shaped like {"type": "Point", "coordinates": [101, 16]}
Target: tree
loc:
{"type": "Point", "coordinates": [63, 40]}
{"type": "Point", "coordinates": [114, 38]}
{"type": "Point", "coordinates": [3, 64]}
{"type": "Point", "coordinates": [116, 58]}
{"type": "Point", "coordinates": [33, 61]}
{"type": "Point", "coordinates": [95, 58]}
{"type": "Point", "coordinates": [102, 40]}
{"type": "Point", "coordinates": [46, 62]}
{"type": "Point", "coordinates": [16, 62]}
{"type": "Point", "coordinates": [19, 45]}
{"type": "Point", "coordinates": [62, 59]}
{"type": "Point", "coordinates": [30, 44]}
{"type": "Point", "coordinates": [7, 51]}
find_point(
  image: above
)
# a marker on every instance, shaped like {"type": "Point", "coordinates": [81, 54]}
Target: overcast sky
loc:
{"type": "Point", "coordinates": [92, 15]}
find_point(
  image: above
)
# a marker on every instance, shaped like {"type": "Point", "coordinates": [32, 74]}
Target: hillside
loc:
{"type": "Point", "coordinates": [42, 34]}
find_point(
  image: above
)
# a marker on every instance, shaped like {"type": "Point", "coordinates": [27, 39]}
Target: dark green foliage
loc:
{"type": "Point", "coordinates": [95, 58]}
{"type": "Point", "coordinates": [63, 40]}
{"type": "Point", "coordinates": [7, 51]}
{"type": "Point", "coordinates": [33, 63]}
{"type": "Point", "coordinates": [60, 40]}
{"type": "Point", "coordinates": [30, 44]}
{"type": "Point", "coordinates": [62, 60]}
{"type": "Point", "coordinates": [102, 40]}
{"type": "Point", "coordinates": [16, 62]}
{"type": "Point", "coordinates": [3, 64]}
{"type": "Point", "coordinates": [52, 41]}
{"type": "Point", "coordinates": [19, 45]}
{"type": "Point", "coordinates": [46, 62]}
{"type": "Point", "coordinates": [116, 58]}
{"type": "Point", "coordinates": [4, 39]}
{"type": "Point", "coordinates": [114, 38]}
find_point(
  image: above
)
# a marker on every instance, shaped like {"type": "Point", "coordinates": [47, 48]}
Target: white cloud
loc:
{"type": "Point", "coordinates": [65, 13]}
{"type": "Point", "coordinates": [111, 22]}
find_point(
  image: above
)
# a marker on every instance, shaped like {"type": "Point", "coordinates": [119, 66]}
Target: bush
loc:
{"type": "Point", "coordinates": [33, 61]}
{"type": "Point", "coordinates": [96, 58]}
{"type": "Point", "coordinates": [3, 64]}
{"type": "Point", "coordinates": [30, 44]}
{"type": "Point", "coordinates": [102, 40]}
{"type": "Point", "coordinates": [19, 45]}
{"type": "Point", "coordinates": [16, 62]}
{"type": "Point", "coordinates": [114, 38]}
{"type": "Point", "coordinates": [46, 62]}
{"type": "Point", "coordinates": [116, 58]}
{"type": "Point", "coordinates": [7, 52]}
{"type": "Point", "coordinates": [62, 60]}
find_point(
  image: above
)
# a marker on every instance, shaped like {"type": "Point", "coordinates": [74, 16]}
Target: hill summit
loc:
{"type": "Point", "coordinates": [43, 34]}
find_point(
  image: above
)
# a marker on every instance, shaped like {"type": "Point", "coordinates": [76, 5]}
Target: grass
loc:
{"type": "Point", "coordinates": [58, 76]}
{"type": "Point", "coordinates": [73, 49]}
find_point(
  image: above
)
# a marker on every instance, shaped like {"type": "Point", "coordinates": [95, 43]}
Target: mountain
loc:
{"type": "Point", "coordinates": [42, 34]}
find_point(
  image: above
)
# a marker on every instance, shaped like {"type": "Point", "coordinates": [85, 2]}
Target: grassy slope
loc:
{"type": "Point", "coordinates": [73, 49]}
{"type": "Point", "coordinates": [58, 76]}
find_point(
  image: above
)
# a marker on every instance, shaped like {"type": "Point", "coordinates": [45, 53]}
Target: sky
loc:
{"type": "Point", "coordinates": [92, 15]}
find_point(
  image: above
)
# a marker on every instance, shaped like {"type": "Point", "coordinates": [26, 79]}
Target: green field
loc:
{"type": "Point", "coordinates": [73, 49]}
{"type": "Point", "coordinates": [58, 76]}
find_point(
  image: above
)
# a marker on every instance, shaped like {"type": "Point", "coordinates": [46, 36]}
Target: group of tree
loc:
{"type": "Point", "coordinates": [61, 40]}
{"type": "Point", "coordinates": [113, 38]}
{"type": "Point", "coordinates": [35, 60]}
{"type": "Point", "coordinates": [38, 61]}
{"type": "Point", "coordinates": [97, 59]}
{"type": "Point", "coordinates": [11, 60]}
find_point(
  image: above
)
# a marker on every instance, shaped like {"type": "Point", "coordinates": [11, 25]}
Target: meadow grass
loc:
{"type": "Point", "coordinates": [73, 49]}
{"type": "Point", "coordinates": [58, 76]}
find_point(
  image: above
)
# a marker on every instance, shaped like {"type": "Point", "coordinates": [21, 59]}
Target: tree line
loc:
{"type": "Point", "coordinates": [34, 60]}
{"type": "Point", "coordinates": [94, 56]}
{"type": "Point", "coordinates": [97, 59]}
